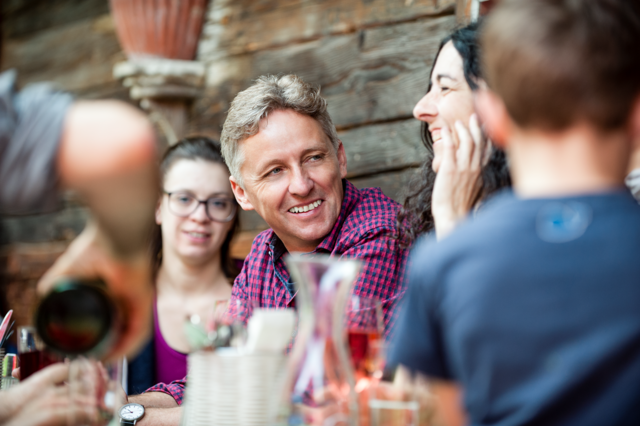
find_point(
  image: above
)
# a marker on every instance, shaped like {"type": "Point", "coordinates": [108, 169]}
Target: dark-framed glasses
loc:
{"type": "Point", "coordinates": [219, 209]}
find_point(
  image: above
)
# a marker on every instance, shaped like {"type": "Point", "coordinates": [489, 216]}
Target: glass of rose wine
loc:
{"type": "Point", "coordinates": [364, 324]}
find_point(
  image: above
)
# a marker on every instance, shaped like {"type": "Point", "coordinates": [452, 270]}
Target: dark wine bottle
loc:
{"type": "Point", "coordinates": [78, 317]}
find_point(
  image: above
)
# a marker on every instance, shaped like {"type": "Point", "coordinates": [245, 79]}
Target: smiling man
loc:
{"type": "Point", "coordinates": [287, 163]}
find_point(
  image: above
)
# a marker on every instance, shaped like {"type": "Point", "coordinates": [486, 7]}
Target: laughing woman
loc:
{"type": "Point", "coordinates": [462, 168]}
{"type": "Point", "coordinates": [197, 219]}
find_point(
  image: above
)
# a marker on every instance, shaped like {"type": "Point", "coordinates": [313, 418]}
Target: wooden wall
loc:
{"type": "Point", "coordinates": [371, 58]}
{"type": "Point", "coordinates": [71, 43]}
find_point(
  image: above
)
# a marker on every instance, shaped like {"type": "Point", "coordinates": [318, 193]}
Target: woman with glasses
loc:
{"type": "Point", "coordinates": [196, 218]}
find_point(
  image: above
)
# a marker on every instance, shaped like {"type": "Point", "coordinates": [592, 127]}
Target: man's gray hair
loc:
{"type": "Point", "coordinates": [270, 93]}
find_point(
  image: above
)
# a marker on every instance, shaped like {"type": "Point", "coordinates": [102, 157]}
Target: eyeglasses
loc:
{"type": "Point", "coordinates": [218, 209]}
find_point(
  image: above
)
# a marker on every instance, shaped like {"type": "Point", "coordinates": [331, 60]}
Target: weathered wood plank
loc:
{"type": "Point", "coordinates": [110, 90]}
{"type": "Point", "coordinates": [383, 147]}
{"type": "Point", "coordinates": [62, 225]}
{"type": "Point", "coordinates": [76, 57]}
{"type": "Point", "coordinates": [250, 220]}
{"type": "Point", "coordinates": [241, 244]}
{"type": "Point", "coordinates": [393, 184]}
{"type": "Point", "coordinates": [375, 75]}
{"type": "Point", "coordinates": [24, 17]}
{"type": "Point", "coordinates": [240, 26]}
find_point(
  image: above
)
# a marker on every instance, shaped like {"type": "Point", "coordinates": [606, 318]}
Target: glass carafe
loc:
{"type": "Point", "coordinates": [320, 385]}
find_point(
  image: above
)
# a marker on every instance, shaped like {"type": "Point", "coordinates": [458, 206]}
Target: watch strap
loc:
{"type": "Point", "coordinates": [128, 422]}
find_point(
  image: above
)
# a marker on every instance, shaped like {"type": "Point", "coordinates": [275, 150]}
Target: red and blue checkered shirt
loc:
{"type": "Point", "coordinates": [364, 230]}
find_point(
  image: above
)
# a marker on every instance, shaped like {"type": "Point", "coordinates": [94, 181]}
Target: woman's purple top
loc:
{"type": "Point", "coordinates": [170, 364]}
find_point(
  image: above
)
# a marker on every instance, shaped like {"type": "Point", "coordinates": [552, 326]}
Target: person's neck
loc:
{"type": "Point", "coordinates": [192, 278]}
{"type": "Point", "coordinates": [580, 160]}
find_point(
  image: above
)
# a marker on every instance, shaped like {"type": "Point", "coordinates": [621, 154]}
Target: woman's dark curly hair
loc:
{"type": "Point", "coordinates": [195, 148]}
{"type": "Point", "coordinates": [415, 217]}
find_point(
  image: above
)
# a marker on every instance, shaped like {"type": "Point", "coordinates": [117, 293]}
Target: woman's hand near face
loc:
{"type": "Point", "coordinates": [458, 181]}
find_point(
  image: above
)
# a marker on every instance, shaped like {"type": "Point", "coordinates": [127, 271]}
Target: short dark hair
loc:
{"type": "Point", "coordinates": [196, 148]}
{"type": "Point", "coordinates": [558, 62]}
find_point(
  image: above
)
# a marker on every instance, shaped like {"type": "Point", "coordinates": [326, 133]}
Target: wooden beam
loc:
{"type": "Point", "coordinates": [383, 147]}
{"type": "Point", "coordinates": [241, 244]}
{"type": "Point", "coordinates": [25, 17]}
{"type": "Point", "coordinates": [77, 57]}
{"type": "Point", "coordinates": [240, 26]}
{"type": "Point", "coordinates": [393, 184]}
{"type": "Point", "coordinates": [251, 221]}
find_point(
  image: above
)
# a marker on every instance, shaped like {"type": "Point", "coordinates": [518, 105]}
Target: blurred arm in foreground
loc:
{"type": "Point", "coordinates": [107, 154]}
{"type": "Point", "coordinates": [103, 150]}
{"type": "Point", "coordinates": [42, 400]}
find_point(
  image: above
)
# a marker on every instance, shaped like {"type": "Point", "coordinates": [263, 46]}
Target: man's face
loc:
{"type": "Point", "coordinates": [291, 166]}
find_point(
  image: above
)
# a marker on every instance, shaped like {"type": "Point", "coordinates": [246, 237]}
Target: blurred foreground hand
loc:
{"type": "Point", "coordinates": [44, 400]}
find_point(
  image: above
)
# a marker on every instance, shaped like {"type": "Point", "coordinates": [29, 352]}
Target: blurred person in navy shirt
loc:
{"type": "Point", "coordinates": [530, 308]}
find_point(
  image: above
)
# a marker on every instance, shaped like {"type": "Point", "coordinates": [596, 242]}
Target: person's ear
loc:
{"type": "Point", "coordinates": [240, 194]}
{"type": "Point", "coordinates": [159, 212]}
{"type": "Point", "coordinates": [494, 117]}
{"type": "Point", "coordinates": [342, 160]}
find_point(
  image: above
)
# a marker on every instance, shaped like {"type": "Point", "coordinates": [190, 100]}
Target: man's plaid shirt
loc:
{"type": "Point", "coordinates": [364, 230]}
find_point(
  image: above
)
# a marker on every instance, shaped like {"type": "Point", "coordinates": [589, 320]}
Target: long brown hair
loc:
{"type": "Point", "coordinates": [195, 148]}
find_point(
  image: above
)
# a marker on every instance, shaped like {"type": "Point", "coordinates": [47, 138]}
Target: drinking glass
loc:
{"type": "Point", "coordinates": [233, 311]}
{"type": "Point", "coordinates": [32, 351]}
{"type": "Point", "coordinates": [405, 402]}
{"type": "Point", "coordinates": [393, 413]}
{"type": "Point", "coordinates": [234, 314]}
{"type": "Point", "coordinates": [364, 324]}
{"type": "Point", "coordinates": [95, 389]}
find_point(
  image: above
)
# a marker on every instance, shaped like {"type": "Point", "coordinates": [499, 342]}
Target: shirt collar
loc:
{"type": "Point", "coordinates": [349, 201]}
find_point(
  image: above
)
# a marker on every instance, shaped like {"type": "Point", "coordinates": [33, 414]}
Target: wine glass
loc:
{"type": "Point", "coordinates": [364, 324]}
{"type": "Point", "coordinates": [33, 353]}
{"type": "Point", "coordinates": [95, 389]}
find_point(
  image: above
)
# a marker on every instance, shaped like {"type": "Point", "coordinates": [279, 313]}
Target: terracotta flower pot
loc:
{"type": "Point", "coordinates": [159, 28]}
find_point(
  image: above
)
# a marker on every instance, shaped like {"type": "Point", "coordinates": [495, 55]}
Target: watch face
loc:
{"type": "Point", "coordinates": [131, 412]}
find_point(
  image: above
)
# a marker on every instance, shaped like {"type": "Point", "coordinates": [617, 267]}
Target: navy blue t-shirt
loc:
{"type": "Point", "coordinates": [533, 307]}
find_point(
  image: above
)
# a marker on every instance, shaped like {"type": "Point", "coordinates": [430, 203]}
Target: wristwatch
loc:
{"type": "Point", "coordinates": [131, 413]}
